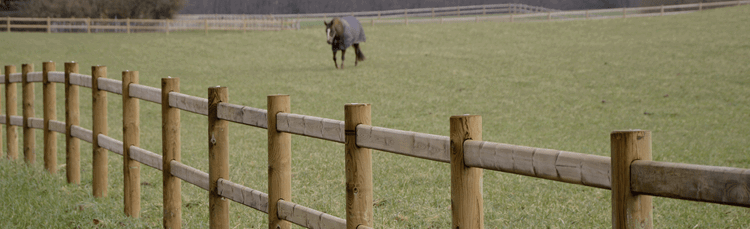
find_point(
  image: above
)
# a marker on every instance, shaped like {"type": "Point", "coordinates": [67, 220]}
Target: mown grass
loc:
{"type": "Point", "coordinates": [559, 85]}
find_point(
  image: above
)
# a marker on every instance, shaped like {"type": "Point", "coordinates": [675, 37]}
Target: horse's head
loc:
{"type": "Point", "coordinates": [333, 29]}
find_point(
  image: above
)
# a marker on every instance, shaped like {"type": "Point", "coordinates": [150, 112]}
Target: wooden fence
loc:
{"type": "Point", "coordinates": [249, 22]}
{"type": "Point", "coordinates": [629, 173]}
{"type": "Point", "coordinates": [513, 12]}
{"type": "Point", "coordinates": [91, 25]}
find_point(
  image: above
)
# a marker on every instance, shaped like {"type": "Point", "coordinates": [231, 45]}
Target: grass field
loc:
{"type": "Point", "coordinates": [559, 85]}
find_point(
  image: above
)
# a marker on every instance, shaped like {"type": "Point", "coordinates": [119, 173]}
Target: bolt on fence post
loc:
{"type": "Point", "coordinates": [99, 111]}
{"type": "Point", "coordinates": [466, 182]}
{"type": "Point", "coordinates": [72, 144]}
{"type": "Point", "coordinates": [279, 161]}
{"type": "Point", "coordinates": [28, 112]}
{"type": "Point", "coordinates": [629, 210]}
{"type": "Point", "coordinates": [49, 102]}
{"type": "Point", "coordinates": [358, 163]}
{"type": "Point", "coordinates": [170, 137]}
{"type": "Point", "coordinates": [131, 169]}
{"type": "Point", "coordinates": [218, 158]}
{"type": "Point", "coordinates": [10, 110]}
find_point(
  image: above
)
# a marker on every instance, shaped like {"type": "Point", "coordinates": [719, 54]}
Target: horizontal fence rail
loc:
{"type": "Point", "coordinates": [639, 178]}
{"type": "Point", "coordinates": [94, 25]}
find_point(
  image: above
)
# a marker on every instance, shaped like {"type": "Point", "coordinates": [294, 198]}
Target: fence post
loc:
{"type": "Point", "coordinates": [99, 111]}
{"type": "Point", "coordinates": [459, 11]}
{"type": "Point", "coordinates": [406, 17]}
{"type": "Point", "coordinates": [205, 26]}
{"type": "Point", "coordinates": [7, 20]}
{"type": "Point", "coordinates": [27, 91]}
{"type": "Point", "coordinates": [629, 210]}
{"type": "Point", "coordinates": [700, 6]}
{"type": "Point", "coordinates": [549, 16]}
{"type": "Point", "coordinates": [587, 14]}
{"type": "Point", "coordinates": [72, 149]}
{"type": "Point", "coordinates": [244, 24]}
{"type": "Point", "coordinates": [49, 24]}
{"type": "Point", "coordinates": [49, 101]}
{"type": "Point", "coordinates": [168, 26]}
{"type": "Point", "coordinates": [170, 137]}
{"type": "Point", "coordinates": [433, 13]}
{"type": "Point", "coordinates": [662, 10]}
{"type": "Point", "coordinates": [131, 169]}
{"type": "Point", "coordinates": [279, 161]}
{"type": "Point", "coordinates": [466, 182]}
{"type": "Point", "coordinates": [358, 162]}
{"type": "Point", "coordinates": [10, 110]}
{"type": "Point", "coordinates": [128, 25]}
{"type": "Point", "coordinates": [88, 25]}
{"type": "Point", "coordinates": [623, 12]}
{"type": "Point", "coordinates": [218, 158]}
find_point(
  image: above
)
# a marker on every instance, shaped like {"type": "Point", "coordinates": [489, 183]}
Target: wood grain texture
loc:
{"type": "Point", "coordinates": [629, 210]}
{"type": "Point", "coordinates": [99, 111]}
{"type": "Point", "coordinates": [34, 77]}
{"type": "Point", "coordinates": [110, 144]}
{"type": "Point", "coordinates": [310, 126]}
{"type": "Point", "coordinates": [414, 144]}
{"type": "Point", "coordinates": [218, 157]}
{"type": "Point", "coordinates": [72, 118]}
{"type": "Point", "coordinates": [171, 140]}
{"type": "Point", "coordinates": [243, 195]}
{"type": "Point", "coordinates": [10, 111]}
{"type": "Point", "coordinates": [569, 167]}
{"type": "Point", "coordinates": [712, 184]}
{"type": "Point", "coordinates": [189, 174]}
{"type": "Point", "coordinates": [57, 126]}
{"type": "Point", "coordinates": [358, 164]}
{"type": "Point", "coordinates": [49, 101]}
{"type": "Point", "coordinates": [189, 103]}
{"type": "Point", "coordinates": [466, 182]}
{"type": "Point", "coordinates": [27, 101]}
{"type": "Point", "coordinates": [146, 93]}
{"type": "Point", "coordinates": [131, 123]}
{"type": "Point", "coordinates": [146, 157]}
{"type": "Point", "coordinates": [80, 80]}
{"type": "Point", "coordinates": [82, 133]}
{"type": "Point", "coordinates": [15, 77]}
{"type": "Point", "coordinates": [243, 115]}
{"type": "Point", "coordinates": [36, 123]}
{"type": "Point", "coordinates": [56, 77]}
{"type": "Point", "coordinates": [110, 85]}
{"type": "Point", "coordinates": [309, 218]}
{"type": "Point", "coordinates": [279, 161]}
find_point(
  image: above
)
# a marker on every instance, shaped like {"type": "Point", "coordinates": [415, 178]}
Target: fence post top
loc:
{"type": "Point", "coordinates": [357, 104]}
{"type": "Point", "coordinates": [465, 116]}
{"type": "Point", "coordinates": [629, 131]}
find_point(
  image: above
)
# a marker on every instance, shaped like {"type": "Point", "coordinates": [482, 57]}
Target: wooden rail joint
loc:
{"type": "Point", "coordinates": [629, 210]}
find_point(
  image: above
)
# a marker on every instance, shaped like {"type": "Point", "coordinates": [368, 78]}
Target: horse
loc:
{"type": "Point", "coordinates": [342, 33]}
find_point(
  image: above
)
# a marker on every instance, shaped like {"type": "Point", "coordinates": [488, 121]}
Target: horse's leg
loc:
{"type": "Point", "coordinates": [356, 53]}
{"type": "Point", "coordinates": [334, 60]}
{"type": "Point", "coordinates": [343, 52]}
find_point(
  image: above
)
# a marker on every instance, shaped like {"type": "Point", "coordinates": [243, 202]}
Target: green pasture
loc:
{"type": "Point", "coordinates": [558, 85]}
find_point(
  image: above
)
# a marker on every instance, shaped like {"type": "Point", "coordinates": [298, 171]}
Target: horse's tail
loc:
{"type": "Point", "coordinates": [360, 55]}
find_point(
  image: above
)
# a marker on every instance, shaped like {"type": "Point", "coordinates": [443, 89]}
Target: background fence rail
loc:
{"type": "Point", "coordinates": [513, 12]}
{"type": "Point", "coordinates": [631, 176]}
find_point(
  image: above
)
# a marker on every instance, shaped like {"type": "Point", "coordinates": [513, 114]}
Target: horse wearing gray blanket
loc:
{"type": "Point", "coordinates": [342, 33]}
